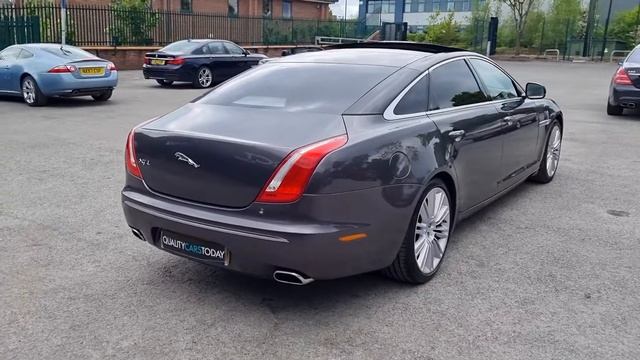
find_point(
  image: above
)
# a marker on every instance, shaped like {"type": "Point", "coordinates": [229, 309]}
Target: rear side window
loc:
{"type": "Point", "coordinates": [415, 100]}
{"type": "Point", "coordinates": [299, 87]}
{"type": "Point", "coordinates": [68, 52]}
{"type": "Point", "coordinates": [453, 84]}
{"type": "Point", "coordinates": [497, 83]}
{"type": "Point", "coordinates": [24, 54]}
{"type": "Point", "coordinates": [217, 48]}
{"type": "Point", "coordinates": [181, 47]}
{"type": "Point", "coordinates": [634, 57]}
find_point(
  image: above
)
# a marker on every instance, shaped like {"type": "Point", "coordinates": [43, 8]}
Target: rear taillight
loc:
{"type": "Point", "coordinates": [61, 69]}
{"type": "Point", "coordinates": [130, 156]}
{"type": "Point", "coordinates": [147, 61]}
{"type": "Point", "coordinates": [176, 61]}
{"type": "Point", "coordinates": [621, 77]}
{"type": "Point", "coordinates": [291, 177]}
{"type": "Point", "coordinates": [112, 67]}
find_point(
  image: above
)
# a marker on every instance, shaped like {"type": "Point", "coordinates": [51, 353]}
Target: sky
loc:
{"type": "Point", "coordinates": [352, 9]}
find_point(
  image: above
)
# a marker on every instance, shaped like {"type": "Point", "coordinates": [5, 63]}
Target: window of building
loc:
{"type": "Point", "coordinates": [267, 8]}
{"type": "Point", "coordinates": [407, 6]}
{"type": "Point", "coordinates": [186, 6]}
{"type": "Point", "coordinates": [421, 5]}
{"type": "Point", "coordinates": [287, 12]}
{"type": "Point", "coordinates": [233, 8]}
{"type": "Point", "coordinates": [450, 6]}
{"type": "Point", "coordinates": [453, 84]}
{"type": "Point", "coordinates": [381, 6]}
{"type": "Point", "coordinates": [436, 6]}
{"type": "Point", "coordinates": [466, 6]}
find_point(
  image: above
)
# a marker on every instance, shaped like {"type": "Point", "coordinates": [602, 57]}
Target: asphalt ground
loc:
{"type": "Point", "coordinates": [546, 272]}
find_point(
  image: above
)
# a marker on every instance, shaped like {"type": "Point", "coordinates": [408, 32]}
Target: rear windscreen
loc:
{"type": "Point", "coordinates": [299, 87]}
{"type": "Point", "coordinates": [70, 52]}
{"type": "Point", "coordinates": [181, 47]}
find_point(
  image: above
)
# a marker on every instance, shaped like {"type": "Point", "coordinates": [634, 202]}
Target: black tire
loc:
{"type": "Point", "coordinates": [614, 110]}
{"type": "Point", "coordinates": [199, 84]}
{"type": "Point", "coordinates": [543, 176]}
{"type": "Point", "coordinates": [405, 266]}
{"type": "Point", "coordinates": [31, 92]}
{"type": "Point", "coordinates": [164, 83]}
{"type": "Point", "coordinates": [104, 96]}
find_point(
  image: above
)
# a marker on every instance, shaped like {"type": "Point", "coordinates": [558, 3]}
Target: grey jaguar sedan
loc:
{"type": "Point", "coordinates": [339, 162]}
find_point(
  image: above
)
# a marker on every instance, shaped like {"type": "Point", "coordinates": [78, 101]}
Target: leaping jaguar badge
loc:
{"type": "Point", "coordinates": [182, 157]}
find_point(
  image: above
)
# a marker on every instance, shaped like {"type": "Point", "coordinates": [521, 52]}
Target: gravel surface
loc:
{"type": "Point", "coordinates": [546, 272]}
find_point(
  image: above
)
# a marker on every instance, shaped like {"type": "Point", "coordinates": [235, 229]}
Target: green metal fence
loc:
{"type": "Point", "coordinates": [107, 26]}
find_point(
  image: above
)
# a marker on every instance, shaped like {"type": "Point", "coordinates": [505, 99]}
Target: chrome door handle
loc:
{"type": "Point", "coordinates": [456, 135]}
{"type": "Point", "coordinates": [508, 120]}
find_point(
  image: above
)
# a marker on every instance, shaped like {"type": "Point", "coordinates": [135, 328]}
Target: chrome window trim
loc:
{"type": "Point", "coordinates": [389, 112]}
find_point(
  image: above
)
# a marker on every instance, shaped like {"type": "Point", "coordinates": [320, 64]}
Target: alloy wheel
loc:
{"type": "Point", "coordinates": [432, 230]}
{"type": "Point", "coordinates": [553, 150]}
{"type": "Point", "coordinates": [28, 91]}
{"type": "Point", "coordinates": [205, 77]}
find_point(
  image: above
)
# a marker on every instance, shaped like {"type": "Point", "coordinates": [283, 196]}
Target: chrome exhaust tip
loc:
{"type": "Point", "coordinates": [291, 278]}
{"type": "Point", "coordinates": [137, 233]}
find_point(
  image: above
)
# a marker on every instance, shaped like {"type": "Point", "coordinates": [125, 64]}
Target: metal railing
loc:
{"type": "Point", "coordinates": [555, 51]}
{"type": "Point", "coordinates": [625, 52]}
{"type": "Point", "coordinates": [111, 26]}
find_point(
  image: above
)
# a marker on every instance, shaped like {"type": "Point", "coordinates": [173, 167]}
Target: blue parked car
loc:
{"type": "Point", "coordinates": [39, 71]}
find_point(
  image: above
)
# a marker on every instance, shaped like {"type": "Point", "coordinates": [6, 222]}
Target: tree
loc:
{"type": "Point", "coordinates": [564, 17]}
{"type": "Point", "coordinates": [134, 22]}
{"type": "Point", "coordinates": [625, 27]}
{"type": "Point", "coordinates": [442, 31]}
{"type": "Point", "coordinates": [520, 10]}
{"type": "Point", "coordinates": [472, 36]}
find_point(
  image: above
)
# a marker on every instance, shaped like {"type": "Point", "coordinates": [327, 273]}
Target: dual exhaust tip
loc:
{"type": "Point", "coordinates": [629, 105]}
{"type": "Point", "coordinates": [291, 278]}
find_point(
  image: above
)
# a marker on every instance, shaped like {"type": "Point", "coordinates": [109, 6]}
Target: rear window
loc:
{"type": "Point", "coordinates": [319, 88]}
{"type": "Point", "coordinates": [70, 52]}
{"type": "Point", "coordinates": [182, 47]}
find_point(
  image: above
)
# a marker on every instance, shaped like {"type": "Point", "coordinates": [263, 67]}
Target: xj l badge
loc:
{"type": "Point", "coordinates": [182, 157]}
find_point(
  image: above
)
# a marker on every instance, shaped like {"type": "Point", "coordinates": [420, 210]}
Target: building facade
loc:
{"type": "Point", "coordinates": [416, 13]}
{"type": "Point", "coordinates": [288, 9]}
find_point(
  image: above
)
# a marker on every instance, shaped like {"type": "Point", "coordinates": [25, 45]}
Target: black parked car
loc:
{"type": "Point", "coordinates": [624, 91]}
{"type": "Point", "coordinates": [363, 159]}
{"type": "Point", "coordinates": [200, 62]}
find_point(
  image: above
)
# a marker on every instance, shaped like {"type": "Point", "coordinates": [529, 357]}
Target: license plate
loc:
{"type": "Point", "coordinates": [191, 247]}
{"type": "Point", "coordinates": [92, 71]}
{"type": "Point", "coordinates": [157, 62]}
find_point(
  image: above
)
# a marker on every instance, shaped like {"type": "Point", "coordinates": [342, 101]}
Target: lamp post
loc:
{"type": "Point", "coordinates": [63, 20]}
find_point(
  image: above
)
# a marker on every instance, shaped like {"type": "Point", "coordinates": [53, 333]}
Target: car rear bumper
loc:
{"type": "Point", "coordinates": [625, 96]}
{"type": "Point", "coordinates": [169, 74]}
{"type": "Point", "coordinates": [302, 237]}
{"type": "Point", "coordinates": [68, 85]}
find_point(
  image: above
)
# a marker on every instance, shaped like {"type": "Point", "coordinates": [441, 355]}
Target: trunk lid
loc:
{"type": "Point", "coordinates": [224, 155]}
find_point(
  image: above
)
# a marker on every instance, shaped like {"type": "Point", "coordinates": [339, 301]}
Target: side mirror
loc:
{"type": "Point", "coordinates": [246, 52]}
{"type": "Point", "coordinates": [535, 91]}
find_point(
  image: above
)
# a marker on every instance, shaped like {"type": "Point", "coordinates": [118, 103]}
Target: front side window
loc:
{"type": "Point", "coordinates": [286, 9]}
{"type": "Point", "coordinates": [233, 8]}
{"type": "Point", "coordinates": [185, 6]}
{"type": "Point", "coordinates": [415, 100]}
{"type": "Point", "coordinates": [233, 49]}
{"type": "Point", "coordinates": [453, 84]}
{"type": "Point", "coordinates": [497, 83]}
{"type": "Point", "coordinates": [10, 53]}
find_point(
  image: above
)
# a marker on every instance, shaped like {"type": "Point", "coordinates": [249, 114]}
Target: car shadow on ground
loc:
{"type": "Point", "coordinates": [195, 278]}
{"type": "Point", "coordinates": [57, 102]}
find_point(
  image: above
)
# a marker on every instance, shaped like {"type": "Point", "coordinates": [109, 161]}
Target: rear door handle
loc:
{"type": "Point", "coordinates": [456, 135]}
{"type": "Point", "coordinates": [508, 120]}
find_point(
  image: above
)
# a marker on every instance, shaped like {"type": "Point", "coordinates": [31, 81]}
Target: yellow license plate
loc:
{"type": "Point", "coordinates": [92, 71]}
{"type": "Point", "coordinates": [157, 62]}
